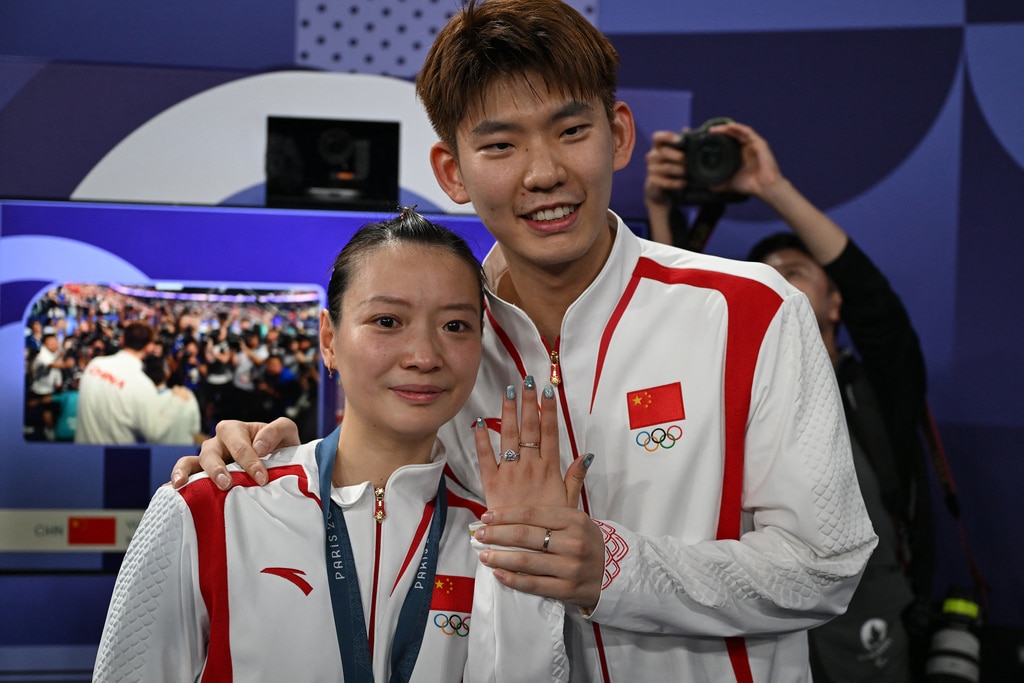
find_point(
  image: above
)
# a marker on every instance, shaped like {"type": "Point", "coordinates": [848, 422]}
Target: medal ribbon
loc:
{"type": "Point", "coordinates": [346, 601]}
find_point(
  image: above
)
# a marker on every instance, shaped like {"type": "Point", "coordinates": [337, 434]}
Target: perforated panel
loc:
{"type": "Point", "coordinates": [387, 37]}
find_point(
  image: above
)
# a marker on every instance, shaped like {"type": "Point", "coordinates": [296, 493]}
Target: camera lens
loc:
{"type": "Point", "coordinates": [955, 651]}
{"type": "Point", "coordinates": [713, 159]}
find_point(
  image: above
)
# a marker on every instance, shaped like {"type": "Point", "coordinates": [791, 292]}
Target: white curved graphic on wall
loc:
{"type": "Point", "coordinates": [211, 146]}
{"type": "Point", "coordinates": [65, 261]}
{"type": "Point", "coordinates": [68, 260]}
{"type": "Point", "coordinates": [990, 49]}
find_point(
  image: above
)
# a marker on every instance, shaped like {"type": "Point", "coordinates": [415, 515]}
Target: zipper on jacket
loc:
{"type": "Point", "coordinates": [378, 505]}
{"type": "Point", "coordinates": [556, 377]}
{"type": "Point", "coordinates": [378, 515]}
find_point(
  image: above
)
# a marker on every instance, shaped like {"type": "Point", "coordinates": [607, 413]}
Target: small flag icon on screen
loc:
{"type": "Point", "coordinates": [92, 530]}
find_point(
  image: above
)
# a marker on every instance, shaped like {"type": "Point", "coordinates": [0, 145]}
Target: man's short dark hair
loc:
{"type": "Point", "coordinates": [776, 242]}
{"type": "Point", "coordinates": [155, 368]}
{"type": "Point", "coordinates": [137, 336]}
{"type": "Point", "coordinates": [487, 42]}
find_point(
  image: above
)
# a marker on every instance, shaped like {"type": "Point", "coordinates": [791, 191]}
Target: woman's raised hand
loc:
{"type": "Point", "coordinates": [527, 470]}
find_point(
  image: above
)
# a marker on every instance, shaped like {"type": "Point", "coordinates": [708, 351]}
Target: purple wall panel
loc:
{"type": "Point", "coordinates": [853, 101]}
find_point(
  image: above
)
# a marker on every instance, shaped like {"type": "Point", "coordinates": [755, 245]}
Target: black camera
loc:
{"type": "Point", "coordinates": [711, 159]}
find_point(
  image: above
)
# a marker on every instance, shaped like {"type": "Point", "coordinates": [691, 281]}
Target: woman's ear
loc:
{"type": "Point", "coordinates": [445, 164]}
{"type": "Point", "coordinates": [326, 339]}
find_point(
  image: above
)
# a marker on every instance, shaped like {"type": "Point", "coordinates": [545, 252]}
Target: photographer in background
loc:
{"type": "Point", "coordinates": [45, 380]}
{"type": "Point", "coordinates": [219, 359]}
{"type": "Point", "coordinates": [883, 389]}
{"type": "Point", "coordinates": [249, 357]}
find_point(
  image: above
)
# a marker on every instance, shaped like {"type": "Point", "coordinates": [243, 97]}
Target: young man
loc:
{"type": "Point", "coordinates": [721, 516]}
{"type": "Point", "coordinates": [117, 402]}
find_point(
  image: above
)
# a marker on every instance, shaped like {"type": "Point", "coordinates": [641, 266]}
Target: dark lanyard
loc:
{"type": "Point", "coordinates": [349, 621]}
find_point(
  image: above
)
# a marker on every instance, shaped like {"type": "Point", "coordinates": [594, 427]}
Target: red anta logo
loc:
{"type": "Point", "coordinates": [290, 574]}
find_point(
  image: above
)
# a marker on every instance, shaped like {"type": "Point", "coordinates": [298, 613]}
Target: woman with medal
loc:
{"type": "Point", "coordinates": [355, 561]}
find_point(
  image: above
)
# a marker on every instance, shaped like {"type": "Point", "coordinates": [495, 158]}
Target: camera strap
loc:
{"type": "Point", "coordinates": [944, 476]}
{"type": "Point", "coordinates": [694, 237]}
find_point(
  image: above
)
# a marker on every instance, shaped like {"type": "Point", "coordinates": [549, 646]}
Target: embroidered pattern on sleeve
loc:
{"type": "Point", "coordinates": [615, 548]}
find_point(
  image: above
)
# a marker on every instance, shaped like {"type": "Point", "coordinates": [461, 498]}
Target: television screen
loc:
{"type": "Point", "coordinates": [125, 364]}
{"type": "Point", "coordinates": [327, 163]}
{"type": "Point", "coordinates": [231, 299]}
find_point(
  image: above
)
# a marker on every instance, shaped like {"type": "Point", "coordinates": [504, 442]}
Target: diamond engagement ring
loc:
{"type": "Point", "coordinates": [510, 455]}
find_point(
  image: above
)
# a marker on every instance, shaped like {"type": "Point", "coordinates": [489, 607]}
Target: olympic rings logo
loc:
{"type": "Point", "coordinates": [659, 438]}
{"type": "Point", "coordinates": [452, 624]}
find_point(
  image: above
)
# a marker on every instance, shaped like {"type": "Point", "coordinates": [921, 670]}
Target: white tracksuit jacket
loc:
{"type": "Point", "coordinates": [723, 480]}
{"type": "Point", "coordinates": [220, 587]}
{"type": "Point", "coordinates": [118, 403]}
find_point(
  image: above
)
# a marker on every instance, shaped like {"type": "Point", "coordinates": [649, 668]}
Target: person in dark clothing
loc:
{"type": "Point", "coordinates": [882, 380]}
{"type": "Point", "coordinates": [277, 389]}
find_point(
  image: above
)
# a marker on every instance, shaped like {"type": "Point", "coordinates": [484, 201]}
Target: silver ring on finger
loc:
{"type": "Point", "coordinates": [510, 455]}
{"type": "Point", "coordinates": [547, 540]}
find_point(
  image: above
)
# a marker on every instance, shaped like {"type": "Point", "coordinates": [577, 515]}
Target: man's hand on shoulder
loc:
{"type": "Point", "coordinates": [240, 442]}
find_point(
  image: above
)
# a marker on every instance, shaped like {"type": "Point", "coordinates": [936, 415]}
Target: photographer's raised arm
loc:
{"type": "Point", "coordinates": [240, 442]}
{"type": "Point", "coordinates": [665, 177]}
{"type": "Point", "coordinates": [759, 175]}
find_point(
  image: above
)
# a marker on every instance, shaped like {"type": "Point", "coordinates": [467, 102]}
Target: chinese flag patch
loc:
{"type": "Point", "coordinates": [92, 530]}
{"type": "Point", "coordinates": [655, 405]}
{"type": "Point", "coordinates": [452, 593]}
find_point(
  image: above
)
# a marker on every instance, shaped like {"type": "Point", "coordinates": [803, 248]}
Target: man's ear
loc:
{"type": "Point", "coordinates": [446, 170]}
{"type": "Point", "coordinates": [623, 133]}
{"type": "Point", "coordinates": [835, 305]}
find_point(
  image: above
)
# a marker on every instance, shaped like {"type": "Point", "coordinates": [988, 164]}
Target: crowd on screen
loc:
{"type": "Point", "coordinates": [243, 355]}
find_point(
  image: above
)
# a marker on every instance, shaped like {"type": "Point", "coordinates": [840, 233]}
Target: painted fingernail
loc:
{"type": "Point", "coordinates": [529, 383]}
{"type": "Point", "coordinates": [480, 424]}
{"type": "Point", "coordinates": [549, 391]}
{"type": "Point", "coordinates": [588, 460]}
{"type": "Point", "coordinates": [510, 392]}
